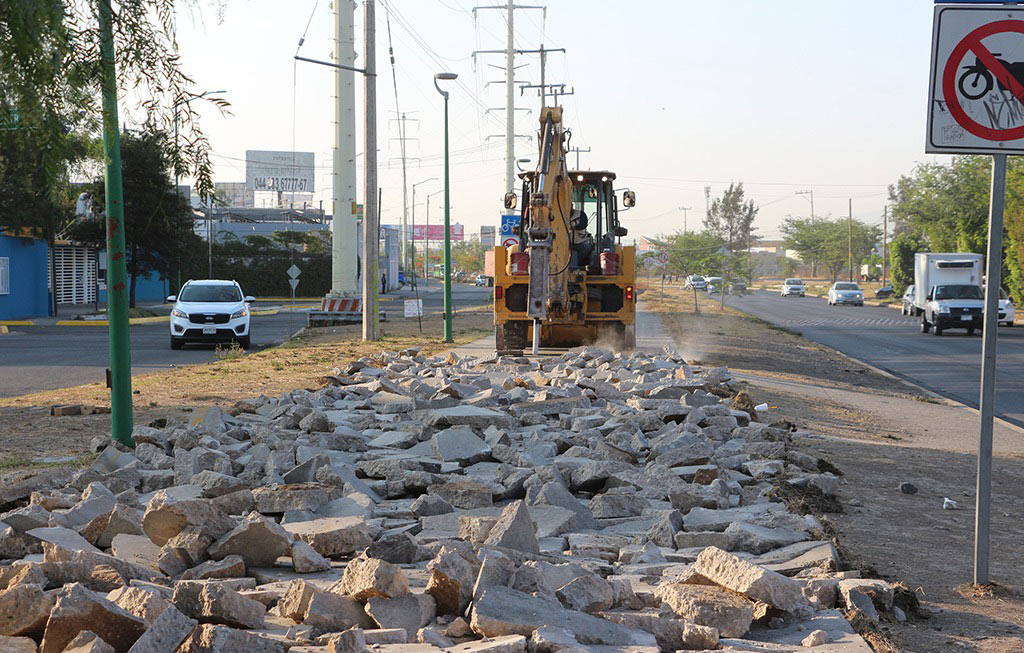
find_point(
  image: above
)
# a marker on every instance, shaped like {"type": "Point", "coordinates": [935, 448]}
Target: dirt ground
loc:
{"type": "Point", "coordinates": [27, 431]}
{"type": "Point", "coordinates": [907, 538]}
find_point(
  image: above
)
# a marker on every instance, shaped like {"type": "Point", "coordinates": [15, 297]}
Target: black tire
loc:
{"type": "Point", "coordinates": [938, 331]}
{"type": "Point", "coordinates": [245, 342]}
{"type": "Point", "coordinates": [860, 304]}
{"type": "Point", "coordinates": [925, 327]}
{"type": "Point", "coordinates": [903, 310]}
{"type": "Point", "coordinates": [970, 331]}
{"type": "Point", "coordinates": [176, 343]}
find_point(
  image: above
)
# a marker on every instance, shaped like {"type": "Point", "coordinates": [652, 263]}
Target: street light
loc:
{"type": "Point", "coordinates": [447, 215]}
{"type": "Point", "coordinates": [177, 190]}
{"type": "Point", "coordinates": [412, 237]}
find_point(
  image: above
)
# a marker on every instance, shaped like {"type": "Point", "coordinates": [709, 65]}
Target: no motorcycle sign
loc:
{"type": "Point", "coordinates": [976, 88]}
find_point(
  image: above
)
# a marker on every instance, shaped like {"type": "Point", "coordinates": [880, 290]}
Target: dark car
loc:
{"type": "Point", "coordinates": [885, 292]}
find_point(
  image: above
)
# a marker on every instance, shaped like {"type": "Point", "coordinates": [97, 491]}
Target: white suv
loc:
{"type": "Point", "coordinates": [793, 287]}
{"type": "Point", "coordinates": [210, 310]}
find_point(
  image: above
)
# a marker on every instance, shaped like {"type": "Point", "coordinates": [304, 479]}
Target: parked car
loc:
{"type": "Point", "coordinates": [696, 282]}
{"type": "Point", "coordinates": [1006, 313]}
{"type": "Point", "coordinates": [482, 280]}
{"type": "Point", "coordinates": [738, 287]}
{"type": "Point", "coordinates": [793, 287]}
{"type": "Point", "coordinates": [885, 292]}
{"type": "Point", "coordinates": [714, 285]}
{"type": "Point", "coordinates": [907, 303]}
{"type": "Point", "coordinates": [210, 310]}
{"type": "Point", "coordinates": [845, 292]}
{"type": "Point", "coordinates": [959, 306]}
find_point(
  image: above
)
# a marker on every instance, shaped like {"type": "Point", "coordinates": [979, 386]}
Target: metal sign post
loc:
{"type": "Point", "coordinates": [969, 86]}
{"type": "Point", "coordinates": [293, 280]}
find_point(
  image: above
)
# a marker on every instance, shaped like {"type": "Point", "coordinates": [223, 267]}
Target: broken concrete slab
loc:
{"type": "Point", "coordinates": [738, 575]}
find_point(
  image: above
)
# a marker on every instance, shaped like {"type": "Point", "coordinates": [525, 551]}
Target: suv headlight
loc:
{"type": "Point", "coordinates": [240, 313]}
{"type": "Point", "coordinates": [177, 312]}
{"type": "Point", "coordinates": [943, 309]}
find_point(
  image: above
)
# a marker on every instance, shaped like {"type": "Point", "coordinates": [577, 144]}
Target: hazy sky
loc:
{"type": "Point", "coordinates": [822, 95]}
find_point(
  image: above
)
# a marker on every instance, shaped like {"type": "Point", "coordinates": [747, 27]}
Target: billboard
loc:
{"type": "Point", "coordinates": [233, 194]}
{"type": "Point", "coordinates": [279, 171]}
{"type": "Point", "coordinates": [419, 232]}
{"type": "Point", "coordinates": [487, 234]}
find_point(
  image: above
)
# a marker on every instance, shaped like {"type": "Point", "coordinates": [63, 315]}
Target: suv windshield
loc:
{"type": "Point", "coordinates": [794, 282]}
{"type": "Point", "coordinates": [957, 292]}
{"type": "Point", "coordinates": [209, 293]}
{"type": "Point", "coordinates": [847, 286]}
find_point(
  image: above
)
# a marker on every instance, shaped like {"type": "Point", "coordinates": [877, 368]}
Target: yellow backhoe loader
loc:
{"type": "Point", "coordinates": [570, 281]}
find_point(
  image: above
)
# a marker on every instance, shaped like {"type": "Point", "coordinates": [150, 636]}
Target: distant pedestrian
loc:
{"type": "Point", "coordinates": [383, 284]}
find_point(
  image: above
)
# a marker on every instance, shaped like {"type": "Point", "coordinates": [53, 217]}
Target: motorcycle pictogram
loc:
{"type": "Point", "coordinates": [976, 81]}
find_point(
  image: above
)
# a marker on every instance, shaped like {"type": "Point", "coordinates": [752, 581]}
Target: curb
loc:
{"type": "Point", "coordinates": [133, 320]}
{"type": "Point", "coordinates": [269, 311]}
{"type": "Point", "coordinates": [7, 323]}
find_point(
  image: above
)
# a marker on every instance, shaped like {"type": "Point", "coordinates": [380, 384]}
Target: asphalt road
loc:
{"type": "Point", "coordinates": [36, 358]}
{"type": "Point", "coordinates": [949, 365]}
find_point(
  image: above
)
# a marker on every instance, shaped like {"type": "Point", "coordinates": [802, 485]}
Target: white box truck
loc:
{"type": "Point", "coordinates": [947, 291]}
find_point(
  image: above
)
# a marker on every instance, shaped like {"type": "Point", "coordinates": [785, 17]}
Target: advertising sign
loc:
{"type": "Point", "coordinates": [279, 171]}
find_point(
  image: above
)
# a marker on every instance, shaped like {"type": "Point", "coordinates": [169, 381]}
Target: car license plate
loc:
{"type": "Point", "coordinates": [966, 318]}
{"type": "Point", "coordinates": [209, 331]}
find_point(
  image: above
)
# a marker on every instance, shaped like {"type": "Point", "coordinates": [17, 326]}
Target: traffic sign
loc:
{"type": "Point", "coordinates": [509, 224]}
{"type": "Point", "coordinates": [509, 241]}
{"type": "Point", "coordinates": [293, 283]}
{"type": "Point", "coordinates": [651, 262]}
{"type": "Point", "coordinates": [976, 87]}
{"type": "Point", "coordinates": [663, 258]}
{"type": "Point", "coordinates": [294, 272]}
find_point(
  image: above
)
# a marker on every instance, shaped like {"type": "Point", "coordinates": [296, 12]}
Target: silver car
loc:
{"type": "Point", "coordinates": [793, 287]}
{"type": "Point", "coordinates": [845, 292]}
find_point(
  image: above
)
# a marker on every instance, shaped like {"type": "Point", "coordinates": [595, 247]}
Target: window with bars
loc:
{"type": "Point", "coordinates": [5, 275]}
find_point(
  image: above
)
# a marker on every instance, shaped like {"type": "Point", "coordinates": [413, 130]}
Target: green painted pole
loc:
{"type": "Point", "coordinates": [447, 238]}
{"type": "Point", "coordinates": [117, 273]}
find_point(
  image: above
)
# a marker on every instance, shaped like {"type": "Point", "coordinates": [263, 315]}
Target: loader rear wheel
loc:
{"type": "Point", "coordinates": [510, 336]}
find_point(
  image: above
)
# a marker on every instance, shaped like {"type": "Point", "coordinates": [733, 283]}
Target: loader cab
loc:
{"type": "Point", "coordinates": [593, 194]}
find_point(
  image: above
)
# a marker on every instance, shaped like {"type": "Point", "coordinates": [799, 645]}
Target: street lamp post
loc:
{"type": "Point", "coordinates": [447, 216]}
{"type": "Point", "coordinates": [412, 250]}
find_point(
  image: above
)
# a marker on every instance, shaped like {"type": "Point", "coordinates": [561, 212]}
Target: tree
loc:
{"type": "Point", "coordinates": [693, 252]}
{"type": "Point", "coordinates": [468, 255]}
{"type": "Point", "coordinates": [50, 91]}
{"type": "Point", "coordinates": [158, 220]}
{"type": "Point", "coordinates": [901, 258]}
{"type": "Point", "coordinates": [806, 237]}
{"type": "Point", "coordinates": [731, 219]}
{"type": "Point", "coordinates": [827, 242]}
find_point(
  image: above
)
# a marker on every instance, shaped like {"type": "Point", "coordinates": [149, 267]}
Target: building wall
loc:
{"type": "Point", "coordinates": [28, 275]}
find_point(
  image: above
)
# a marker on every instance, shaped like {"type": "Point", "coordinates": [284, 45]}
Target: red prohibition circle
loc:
{"type": "Point", "coordinates": [968, 43]}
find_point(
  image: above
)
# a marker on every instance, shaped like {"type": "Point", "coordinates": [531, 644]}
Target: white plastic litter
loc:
{"type": "Point", "coordinates": [761, 408]}
{"type": "Point", "coordinates": [949, 504]}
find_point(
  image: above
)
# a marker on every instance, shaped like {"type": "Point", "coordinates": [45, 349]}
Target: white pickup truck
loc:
{"type": "Point", "coordinates": [947, 291]}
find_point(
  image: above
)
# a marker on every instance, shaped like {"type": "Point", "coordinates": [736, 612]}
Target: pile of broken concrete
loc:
{"type": "Point", "coordinates": [593, 501]}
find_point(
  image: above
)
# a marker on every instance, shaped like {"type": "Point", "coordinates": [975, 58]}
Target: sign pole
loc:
{"type": "Point", "coordinates": [993, 263]}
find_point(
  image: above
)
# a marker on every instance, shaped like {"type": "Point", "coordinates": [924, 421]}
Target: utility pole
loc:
{"type": "Point", "coordinates": [121, 420]}
{"type": "Point", "coordinates": [684, 209]}
{"type": "Point", "coordinates": [371, 226]}
{"type": "Point", "coordinates": [344, 261]}
{"type": "Point", "coordinates": [885, 236]}
{"type": "Point", "coordinates": [707, 201]}
{"type": "Point", "coordinates": [811, 193]}
{"type": "Point", "coordinates": [510, 62]}
{"type": "Point", "coordinates": [850, 239]}
{"type": "Point", "coordinates": [577, 150]}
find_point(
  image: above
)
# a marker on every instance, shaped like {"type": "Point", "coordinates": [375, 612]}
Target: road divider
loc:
{"type": "Point", "coordinates": [10, 323]}
{"type": "Point", "coordinates": [133, 320]}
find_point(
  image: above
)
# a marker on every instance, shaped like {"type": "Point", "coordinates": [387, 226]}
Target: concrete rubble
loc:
{"type": "Point", "coordinates": [590, 501]}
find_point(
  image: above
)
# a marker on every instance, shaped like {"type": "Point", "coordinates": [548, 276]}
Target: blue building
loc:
{"type": "Point", "coordinates": [24, 276]}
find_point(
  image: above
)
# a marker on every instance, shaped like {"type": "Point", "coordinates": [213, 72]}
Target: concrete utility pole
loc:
{"type": "Point", "coordinates": [577, 150]}
{"type": "Point", "coordinates": [510, 62]}
{"type": "Point", "coordinates": [811, 193]}
{"type": "Point", "coordinates": [371, 226]}
{"type": "Point", "coordinates": [885, 236]}
{"type": "Point", "coordinates": [849, 240]}
{"type": "Point", "coordinates": [344, 259]}
{"type": "Point", "coordinates": [684, 209]}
